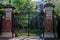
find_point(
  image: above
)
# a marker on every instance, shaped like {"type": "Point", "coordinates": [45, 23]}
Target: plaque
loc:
{"type": "Point", "coordinates": [8, 15]}
{"type": "Point", "coordinates": [48, 14]}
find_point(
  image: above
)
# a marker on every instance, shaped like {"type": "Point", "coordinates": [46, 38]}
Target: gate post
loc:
{"type": "Point", "coordinates": [49, 21]}
{"type": "Point", "coordinates": [1, 13]}
{"type": "Point", "coordinates": [7, 21]}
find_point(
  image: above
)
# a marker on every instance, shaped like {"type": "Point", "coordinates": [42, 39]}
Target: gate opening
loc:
{"type": "Point", "coordinates": [28, 24]}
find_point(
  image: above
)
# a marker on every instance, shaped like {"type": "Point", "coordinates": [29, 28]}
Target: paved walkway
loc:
{"type": "Point", "coordinates": [26, 38]}
{"type": "Point", "coordinates": [4, 38]}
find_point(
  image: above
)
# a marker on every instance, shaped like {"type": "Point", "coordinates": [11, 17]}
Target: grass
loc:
{"type": "Point", "coordinates": [31, 32]}
{"type": "Point", "coordinates": [26, 34]}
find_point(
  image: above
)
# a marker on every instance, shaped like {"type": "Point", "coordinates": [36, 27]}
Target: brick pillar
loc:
{"type": "Point", "coordinates": [49, 20]}
{"type": "Point", "coordinates": [6, 26]}
{"type": "Point", "coordinates": [7, 22]}
{"type": "Point", "coordinates": [3, 23]}
{"type": "Point", "coordinates": [48, 24]}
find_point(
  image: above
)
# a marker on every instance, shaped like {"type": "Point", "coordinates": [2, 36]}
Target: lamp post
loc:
{"type": "Point", "coordinates": [49, 21]}
{"type": "Point", "coordinates": [28, 7]}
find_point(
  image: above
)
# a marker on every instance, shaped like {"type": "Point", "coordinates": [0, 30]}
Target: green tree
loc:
{"type": "Point", "coordinates": [21, 8]}
{"type": "Point", "coordinates": [21, 5]}
{"type": "Point", "coordinates": [57, 6]}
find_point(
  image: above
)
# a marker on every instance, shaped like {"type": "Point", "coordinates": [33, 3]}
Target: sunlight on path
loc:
{"type": "Point", "coordinates": [26, 38]}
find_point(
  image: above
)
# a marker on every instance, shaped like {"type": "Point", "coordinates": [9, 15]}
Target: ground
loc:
{"type": "Point", "coordinates": [27, 38]}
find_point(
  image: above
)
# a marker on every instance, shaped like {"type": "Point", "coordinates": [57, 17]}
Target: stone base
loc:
{"type": "Point", "coordinates": [49, 35]}
{"type": "Point", "coordinates": [7, 34]}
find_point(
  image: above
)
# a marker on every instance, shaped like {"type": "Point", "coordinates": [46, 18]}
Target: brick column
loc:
{"type": "Point", "coordinates": [7, 22]}
{"type": "Point", "coordinates": [6, 26]}
{"type": "Point", "coordinates": [49, 21]}
{"type": "Point", "coordinates": [48, 24]}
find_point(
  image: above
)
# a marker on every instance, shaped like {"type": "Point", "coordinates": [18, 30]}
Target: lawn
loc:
{"type": "Point", "coordinates": [31, 32]}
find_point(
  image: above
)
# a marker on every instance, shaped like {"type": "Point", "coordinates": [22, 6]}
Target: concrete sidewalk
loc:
{"type": "Point", "coordinates": [4, 38]}
{"type": "Point", "coordinates": [31, 38]}
{"type": "Point", "coordinates": [26, 38]}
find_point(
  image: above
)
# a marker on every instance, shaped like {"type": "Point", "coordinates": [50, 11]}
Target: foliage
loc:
{"type": "Point", "coordinates": [23, 18]}
{"type": "Point", "coordinates": [22, 12]}
{"type": "Point", "coordinates": [1, 10]}
{"type": "Point", "coordinates": [21, 5]}
{"type": "Point", "coordinates": [34, 32]}
{"type": "Point", "coordinates": [21, 8]}
{"type": "Point", "coordinates": [57, 6]}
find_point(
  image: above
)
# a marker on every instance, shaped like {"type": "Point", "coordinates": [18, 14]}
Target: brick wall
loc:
{"type": "Point", "coordinates": [6, 25]}
{"type": "Point", "coordinates": [48, 24]}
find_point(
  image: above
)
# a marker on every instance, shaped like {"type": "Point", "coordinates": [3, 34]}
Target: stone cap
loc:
{"type": "Point", "coordinates": [49, 5]}
{"type": "Point", "coordinates": [9, 6]}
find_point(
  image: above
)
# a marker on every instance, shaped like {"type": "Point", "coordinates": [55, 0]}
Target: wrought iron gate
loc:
{"type": "Point", "coordinates": [28, 24]}
{"type": "Point", "coordinates": [0, 22]}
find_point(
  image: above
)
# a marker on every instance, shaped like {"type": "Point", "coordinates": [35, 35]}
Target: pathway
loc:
{"type": "Point", "coordinates": [26, 38]}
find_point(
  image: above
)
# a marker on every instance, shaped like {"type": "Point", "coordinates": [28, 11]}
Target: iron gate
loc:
{"type": "Point", "coordinates": [1, 14]}
{"type": "Point", "coordinates": [0, 24]}
{"type": "Point", "coordinates": [28, 24]}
